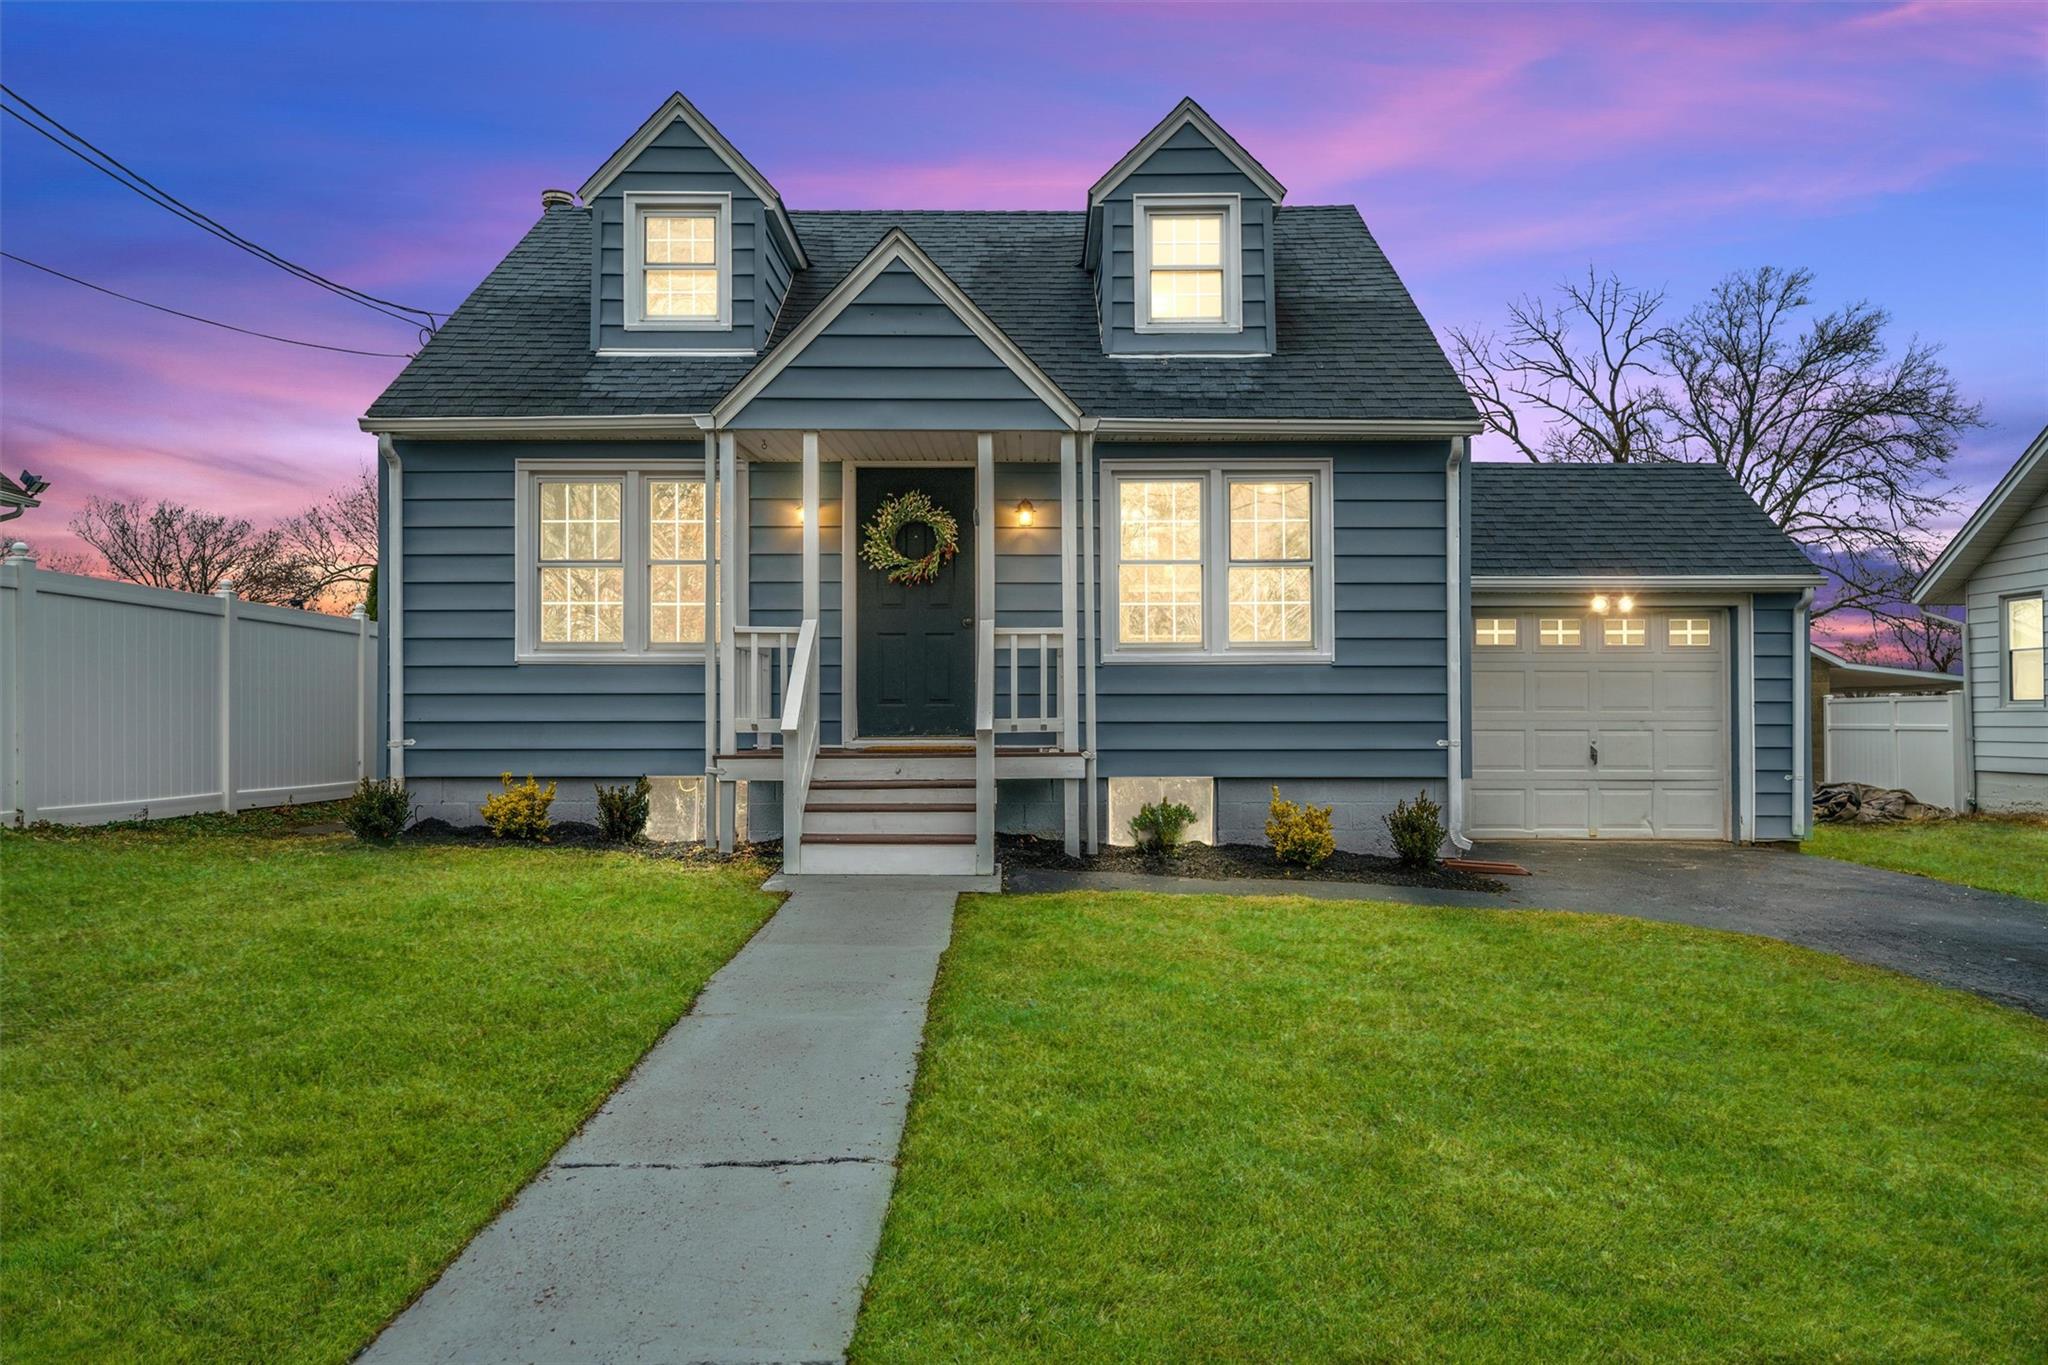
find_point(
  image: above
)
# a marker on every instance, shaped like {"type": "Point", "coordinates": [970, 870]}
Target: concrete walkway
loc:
{"type": "Point", "coordinates": [726, 1202]}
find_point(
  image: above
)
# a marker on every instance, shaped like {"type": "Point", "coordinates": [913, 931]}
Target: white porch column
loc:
{"type": "Point", "coordinates": [984, 527]}
{"type": "Point", "coordinates": [1070, 656]}
{"type": "Point", "coordinates": [714, 633]}
{"type": "Point", "coordinates": [811, 571]}
{"type": "Point", "coordinates": [729, 550]}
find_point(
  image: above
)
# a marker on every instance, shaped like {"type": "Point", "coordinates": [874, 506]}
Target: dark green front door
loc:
{"type": "Point", "coordinates": [916, 642]}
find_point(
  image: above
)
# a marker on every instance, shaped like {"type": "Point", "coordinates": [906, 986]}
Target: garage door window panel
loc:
{"type": "Point", "coordinates": [1493, 632]}
{"type": "Point", "coordinates": [1558, 632]}
{"type": "Point", "coordinates": [1624, 632]}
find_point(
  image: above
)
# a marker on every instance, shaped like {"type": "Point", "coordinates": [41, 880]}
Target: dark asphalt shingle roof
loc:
{"type": "Point", "coordinates": [1633, 519]}
{"type": "Point", "coordinates": [1351, 342]}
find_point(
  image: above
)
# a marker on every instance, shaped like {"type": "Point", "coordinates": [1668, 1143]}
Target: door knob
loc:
{"type": "Point", "coordinates": [967, 621]}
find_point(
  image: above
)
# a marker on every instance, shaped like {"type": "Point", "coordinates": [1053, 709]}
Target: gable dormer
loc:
{"type": "Point", "coordinates": [691, 247]}
{"type": "Point", "coordinates": [1180, 242]}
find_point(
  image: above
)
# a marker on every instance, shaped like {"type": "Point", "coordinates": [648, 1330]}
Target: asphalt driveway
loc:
{"type": "Point", "coordinates": [1996, 946]}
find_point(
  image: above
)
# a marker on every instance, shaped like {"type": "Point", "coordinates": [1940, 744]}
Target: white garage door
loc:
{"type": "Point", "coordinates": [1609, 726]}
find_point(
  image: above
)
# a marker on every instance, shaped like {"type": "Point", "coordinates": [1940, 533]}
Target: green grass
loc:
{"type": "Point", "coordinates": [1188, 1127]}
{"type": "Point", "coordinates": [1987, 852]}
{"type": "Point", "coordinates": [259, 1087]}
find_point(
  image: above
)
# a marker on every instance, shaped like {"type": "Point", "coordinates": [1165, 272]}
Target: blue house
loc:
{"type": "Point", "coordinates": [882, 531]}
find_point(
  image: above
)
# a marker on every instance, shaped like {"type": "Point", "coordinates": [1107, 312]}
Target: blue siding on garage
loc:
{"type": "Point", "coordinates": [1378, 711]}
{"type": "Point", "coordinates": [897, 359]}
{"type": "Point", "coordinates": [1188, 164]}
{"type": "Point", "coordinates": [470, 711]}
{"type": "Point", "coordinates": [678, 160]}
{"type": "Point", "coordinates": [1777, 654]}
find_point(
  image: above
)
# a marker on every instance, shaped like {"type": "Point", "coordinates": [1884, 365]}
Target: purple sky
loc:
{"type": "Point", "coordinates": [1899, 150]}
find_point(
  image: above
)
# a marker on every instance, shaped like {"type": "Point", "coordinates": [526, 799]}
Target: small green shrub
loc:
{"type": "Point", "coordinates": [520, 811]}
{"type": "Point", "coordinates": [379, 811]}
{"type": "Point", "coordinates": [1299, 834]}
{"type": "Point", "coordinates": [622, 811]}
{"type": "Point", "coordinates": [1158, 827]}
{"type": "Point", "coordinates": [1417, 829]}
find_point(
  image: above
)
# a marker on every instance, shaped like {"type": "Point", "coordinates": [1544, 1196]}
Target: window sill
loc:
{"type": "Point", "coordinates": [692, 655]}
{"type": "Point", "coordinates": [1207, 329]}
{"type": "Point", "coordinates": [1235, 656]}
{"type": "Point", "coordinates": [708, 325]}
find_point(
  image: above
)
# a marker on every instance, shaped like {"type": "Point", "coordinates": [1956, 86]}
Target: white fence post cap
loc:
{"type": "Point", "coordinates": [226, 588]}
{"type": "Point", "coordinates": [19, 551]}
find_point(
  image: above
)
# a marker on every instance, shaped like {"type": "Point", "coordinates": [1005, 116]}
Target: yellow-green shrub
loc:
{"type": "Point", "coordinates": [1300, 834]}
{"type": "Point", "coordinates": [520, 811]}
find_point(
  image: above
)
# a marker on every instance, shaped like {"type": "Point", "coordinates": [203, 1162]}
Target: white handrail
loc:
{"type": "Point", "coordinates": [1050, 650]}
{"type": "Point", "coordinates": [985, 747]}
{"type": "Point", "coordinates": [800, 707]}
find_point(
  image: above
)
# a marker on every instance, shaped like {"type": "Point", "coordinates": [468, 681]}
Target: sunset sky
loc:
{"type": "Point", "coordinates": [1901, 151]}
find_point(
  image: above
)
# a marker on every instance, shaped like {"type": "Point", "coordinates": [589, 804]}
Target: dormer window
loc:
{"type": "Point", "coordinates": [678, 261]}
{"type": "Point", "coordinates": [1189, 263]}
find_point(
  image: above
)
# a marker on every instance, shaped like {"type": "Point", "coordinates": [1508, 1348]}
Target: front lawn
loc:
{"type": "Point", "coordinates": [1992, 853]}
{"type": "Point", "coordinates": [1181, 1127]}
{"type": "Point", "coordinates": [261, 1086]}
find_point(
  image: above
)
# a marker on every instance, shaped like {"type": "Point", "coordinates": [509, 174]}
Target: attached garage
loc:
{"type": "Point", "coordinates": [1636, 651]}
{"type": "Point", "coordinates": [1608, 726]}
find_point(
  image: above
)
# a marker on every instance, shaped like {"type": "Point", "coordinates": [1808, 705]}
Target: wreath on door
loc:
{"type": "Point", "coordinates": [878, 538]}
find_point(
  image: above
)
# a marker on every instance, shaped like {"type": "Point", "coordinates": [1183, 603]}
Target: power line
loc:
{"type": "Point", "coordinates": [194, 317]}
{"type": "Point", "coordinates": [133, 180]}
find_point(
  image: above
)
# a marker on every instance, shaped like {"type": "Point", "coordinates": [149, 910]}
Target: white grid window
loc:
{"type": "Point", "coordinates": [675, 561]}
{"type": "Point", "coordinates": [582, 588]}
{"type": "Point", "coordinates": [678, 266]}
{"type": "Point", "coordinates": [1493, 630]}
{"type": "Point", "coordinates": [1624, 631]}
{"type": "Point", "coordinates": [615, 562]}
{"type": "Point", "coordinates": [1212, 562]}
{"type": "Point", "coordinates": [1558, 632]}
{"type": "Point", "coordinates": [1190, 262]}
{"type": "Point", "coordinates": [1159, 572]}
{"type": "Point", "coordinates": [1272, 543]}
{"type": "Point", "coordinates": [1689, 632]}
{"type": "Point", "coordinates": [2026, 661]}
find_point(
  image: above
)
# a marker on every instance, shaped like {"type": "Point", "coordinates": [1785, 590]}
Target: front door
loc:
{"type": "Point", "coordinates": [916, 641]}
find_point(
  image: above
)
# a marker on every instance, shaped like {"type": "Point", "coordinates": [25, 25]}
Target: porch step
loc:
{"type": "Point", "coordinates": [878, 784]}
{"type": "Point", "coordinates": [885, 807]}
{"type": "Point", "coordinates": [882, 819]}
{"type": "Point", "coordinates": [890, 838]}
{"type": "Point", "coordinates": [900, 855]}
{"type": "Point", "coordinates": [896, 750]}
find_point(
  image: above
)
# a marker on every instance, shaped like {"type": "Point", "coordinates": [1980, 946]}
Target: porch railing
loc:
{"type": "Point", "coordinates": [985, 747]}
{"type": "Point", "coordinates": [1030, 660]}
{"type": "Point", "coordinates": [799, 730]}
{"type": "Point", "coordinates": [760, 677]}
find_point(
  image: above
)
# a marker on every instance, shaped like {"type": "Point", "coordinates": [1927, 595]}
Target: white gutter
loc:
{"type": "Point", "coordinates": [391, 606]}
{"type": "Point", "coordinates": [649, 425]}
{"type": "Point", "coordinates": [1280, 427]}
{"type": "Point", "coordinates": [1454, 647]}
{"type": "Point", "coordinates": [1611, 582]}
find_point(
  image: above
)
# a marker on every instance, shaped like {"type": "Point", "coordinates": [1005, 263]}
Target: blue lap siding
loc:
{"type": "Point", "coordinates": [1777, 655]}
{"type": "Point", "coordinates": [1377, 712]}
{"type": "Point", "coordinates": [470, 711]}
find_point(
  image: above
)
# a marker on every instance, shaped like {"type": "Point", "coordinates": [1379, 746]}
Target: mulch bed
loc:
{"type": "Point", "coordinates": [1230, 862]}
{"type": "Point", "coordinates": [580, 834]}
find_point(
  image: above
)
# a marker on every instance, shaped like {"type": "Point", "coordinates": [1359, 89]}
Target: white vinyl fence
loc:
{"type": "Point", "coordinates": [1915, 742]}
{"type": "Point", "coordinates": [123, 702]}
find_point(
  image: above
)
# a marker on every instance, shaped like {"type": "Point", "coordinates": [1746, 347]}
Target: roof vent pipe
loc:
{"type": "Point", "coordinates": [556, 199]}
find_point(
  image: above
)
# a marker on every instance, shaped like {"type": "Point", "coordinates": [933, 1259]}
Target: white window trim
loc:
{"type": "Point", "coordinates": [637, 206]}
{"type": "Point", "coordinates": [2005, 649]}
{"type": "Point", "coordinates": [635, 648]}
{"type": "Point", "coordinates": [1215, 647]}
{"type": "Point", "coordinates": [1231, 206]}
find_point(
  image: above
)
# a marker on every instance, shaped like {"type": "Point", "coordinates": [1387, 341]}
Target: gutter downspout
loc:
{"type": "Point", "coordinates": [1092, 841]}
{"type": "Point", "coordinates": [1802, 719]}
{"type": "Point", "coordinates": [1969, 787]}
{"type": "Point", "coordinates": [391, 608]}
{"type": "Point", "coordinates": [1454, 637]}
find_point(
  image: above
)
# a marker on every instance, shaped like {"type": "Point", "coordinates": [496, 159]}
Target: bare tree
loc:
{"type": "Point", "coordinates": [1925, 639]}
{"type": "Point", "coordinates": [1844, 444]}
{"type": "Point", "coordinates": [173, 546]}
{"type": "Point", "coordinates": [1578, 370]}
{"type": "Point", "coordinates": [335, 541]}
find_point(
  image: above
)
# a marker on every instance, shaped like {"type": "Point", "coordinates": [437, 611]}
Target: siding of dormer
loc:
{"type": "Point", "coordinates": [679, 160]}
{"type": "Point", "coordinates": [1188, 164]}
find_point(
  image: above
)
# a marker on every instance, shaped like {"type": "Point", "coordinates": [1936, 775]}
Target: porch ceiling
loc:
{"type": "Point", "coordinates": [899, 447]}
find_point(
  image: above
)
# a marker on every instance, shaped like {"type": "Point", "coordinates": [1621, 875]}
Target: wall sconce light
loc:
{"type": "Point", "coordinates": [1026, 513]}
{"type": "Point", "coordinates": [1627, 603]}
{"type": "Point", "coordinates": [1600, 604]}
{"type": "Point", "coordinates": [799, 514]}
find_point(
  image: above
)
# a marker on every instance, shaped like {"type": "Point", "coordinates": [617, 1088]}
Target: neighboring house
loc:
{"type": "Point", "coordinates": [1216, 533]}
{"type": "Point", "coordinates": [1835, 676]}
{"type": "Point", "coordinates": [1996, 569]}
{"type": "Point", "coordinates": [16, 497]}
